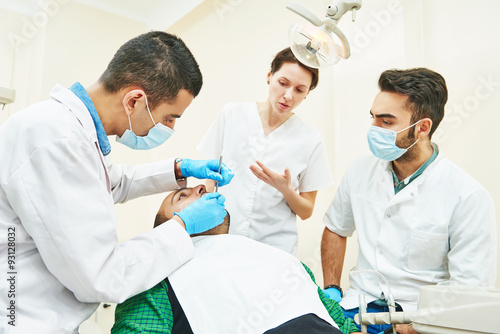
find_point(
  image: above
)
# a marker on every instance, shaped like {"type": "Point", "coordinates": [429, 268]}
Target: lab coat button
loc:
{"type": "Point", "coordinates": [388, 215]}
{"type": "Point", "coordinates": [380, 252]}
{"type": "Point", "coordinates": [411, 194]}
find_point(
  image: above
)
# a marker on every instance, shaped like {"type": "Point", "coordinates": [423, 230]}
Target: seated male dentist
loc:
{"type": "Point", "coordinates": [233, 285]}
{"type": "Point", "coordinates": [58, 187]}
{"type": "Point", "coordinates": [420, 219]}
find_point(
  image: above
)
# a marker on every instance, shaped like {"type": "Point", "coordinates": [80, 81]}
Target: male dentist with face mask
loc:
{"type": "Point", "coordinates": [420, 219]}
{"type": "Point", "coordinates": [58, 187]}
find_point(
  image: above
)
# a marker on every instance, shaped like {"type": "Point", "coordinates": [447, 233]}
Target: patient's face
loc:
{"type": "Point", "coordinates": [179, 199]}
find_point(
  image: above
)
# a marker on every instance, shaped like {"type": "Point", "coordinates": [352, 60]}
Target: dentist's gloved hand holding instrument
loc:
{"type": "Point", "coordinates": [203, 214]}
{"type": "Point", "coordinates": [207, 169]}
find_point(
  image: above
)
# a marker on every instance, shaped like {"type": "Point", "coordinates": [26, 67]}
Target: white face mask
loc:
{"type": "Point", "coordinates": [382, 143]}
{"type": "Point", "coordinates": [156, 136]}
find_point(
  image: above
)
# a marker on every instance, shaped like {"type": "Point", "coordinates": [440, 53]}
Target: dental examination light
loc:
{"type": "Point", "coordinates": [313, 43]}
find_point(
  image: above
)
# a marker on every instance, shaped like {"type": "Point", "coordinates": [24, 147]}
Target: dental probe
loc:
{"type": "Point", "coordinates": [217, 182]}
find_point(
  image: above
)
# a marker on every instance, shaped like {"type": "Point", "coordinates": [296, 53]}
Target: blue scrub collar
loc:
{"type": "Point", "coordinates": [82, 94]}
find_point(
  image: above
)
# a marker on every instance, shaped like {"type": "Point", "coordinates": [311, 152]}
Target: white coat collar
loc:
{"type": "Point", "coordinates": [386, 167]}
{"type": "Point", "coordinates": [411, 190]}
{"type": "Point", "coordinates": [77, 107]}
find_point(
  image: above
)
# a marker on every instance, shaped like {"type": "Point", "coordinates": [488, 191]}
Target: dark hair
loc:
{"type": "Point", "coordinates": [157, 62]}
{"type": "Point", "coordinates": [287, 56]}
{"type": "Point", "coordinates": [426, 91]}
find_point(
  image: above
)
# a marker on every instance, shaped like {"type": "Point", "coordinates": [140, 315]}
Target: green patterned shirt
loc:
{"type": "Point", "coordinates": [151, 312]}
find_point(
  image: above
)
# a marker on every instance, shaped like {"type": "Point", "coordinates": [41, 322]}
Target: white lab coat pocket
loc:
{"type": "Point", "coordinates": [427, 250]}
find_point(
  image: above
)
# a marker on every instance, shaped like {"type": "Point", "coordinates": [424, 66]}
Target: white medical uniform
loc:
{"type": "Point", "coordinates": [57, 191]}
{"type": "Point", "coordinates": [440, 227]}
{"type": "Point", "coordinates": [258, 210]}
{"type": "Point", "coordinates": [236, 285]}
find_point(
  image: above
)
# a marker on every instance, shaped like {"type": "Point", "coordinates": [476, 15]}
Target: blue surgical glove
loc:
{"type": "Point", "coordinates": [206, 169]}
{"type": "Point", "coordinates": [203, 214]}
{"type": "Point", "coordinates": [334, 294]}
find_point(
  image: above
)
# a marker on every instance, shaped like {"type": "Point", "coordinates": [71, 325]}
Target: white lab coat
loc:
{"type": "Point", "coordinates": [251, 286]}
{"type": "Point", "coordinates": [258, 210]}
{"type": "Point", "coordinates": [57, 191]}
{"type": "Point", "coordinates": [440, 227]}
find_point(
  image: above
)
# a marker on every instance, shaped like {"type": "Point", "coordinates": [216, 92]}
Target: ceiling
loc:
{"type": "Point", "coordinates": [156, 14]}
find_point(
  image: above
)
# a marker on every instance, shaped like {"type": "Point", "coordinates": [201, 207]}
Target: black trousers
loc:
{"type": "Point", "coordinates": [306, 324]}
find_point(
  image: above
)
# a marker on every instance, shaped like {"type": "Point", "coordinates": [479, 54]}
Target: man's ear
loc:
{"type": "Point", "coordinates": [424, 127]}
{"type": "Point", "coordinates": [130, 100]}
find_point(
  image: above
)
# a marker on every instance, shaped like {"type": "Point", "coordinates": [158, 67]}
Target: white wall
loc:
{"type": "Point", "coordinates": [234, 42]}
{"type": "Point", "coordinates": [18, 59]}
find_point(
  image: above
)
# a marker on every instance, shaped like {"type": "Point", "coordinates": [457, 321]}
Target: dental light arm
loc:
{"type": "Point", "coordinates": [314, 45]}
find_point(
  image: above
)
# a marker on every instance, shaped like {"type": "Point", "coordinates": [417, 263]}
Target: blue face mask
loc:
{"type": "Point", "coordinates": [156, 136]}
{"type": "Point", "coordinates": [382, 143]}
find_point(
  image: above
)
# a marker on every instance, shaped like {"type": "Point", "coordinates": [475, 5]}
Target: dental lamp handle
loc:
{"type": "Point", "coordinates": [336, 10]}
{"type": "Point", "coordinates": [305, 12]}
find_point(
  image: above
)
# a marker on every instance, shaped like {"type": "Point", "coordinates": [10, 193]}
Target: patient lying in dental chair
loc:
{"type": "Point", "coordinates": [232, 285]}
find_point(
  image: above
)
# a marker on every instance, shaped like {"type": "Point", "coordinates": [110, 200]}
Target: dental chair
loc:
{"type": "Point", "coordinates": [443, 309]}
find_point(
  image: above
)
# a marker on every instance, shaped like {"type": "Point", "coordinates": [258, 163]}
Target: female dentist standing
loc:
{"type": "Point", "coordinates": [58, 186]}
{"type": "Point", "coordinates": [279, 161]}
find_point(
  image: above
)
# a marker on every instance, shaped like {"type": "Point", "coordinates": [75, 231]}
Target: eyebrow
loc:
{"type": "Point", "coordinates": [300, 85]}
{"type": "Point", "coordinates": [175, 194]}
{"type": "Point", "coordinates": [382, 115]}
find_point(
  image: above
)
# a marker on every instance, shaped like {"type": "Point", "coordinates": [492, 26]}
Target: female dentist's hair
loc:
{"type": "Point", "coordinates": [157, 62]}
{"type": "Point", "coordinates": [426, 91]}
{"type": "Point", "coordinates": [287, 56]}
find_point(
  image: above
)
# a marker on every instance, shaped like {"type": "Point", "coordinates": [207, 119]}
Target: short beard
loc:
{"type": "Point", "coordinates": [412, 152]}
